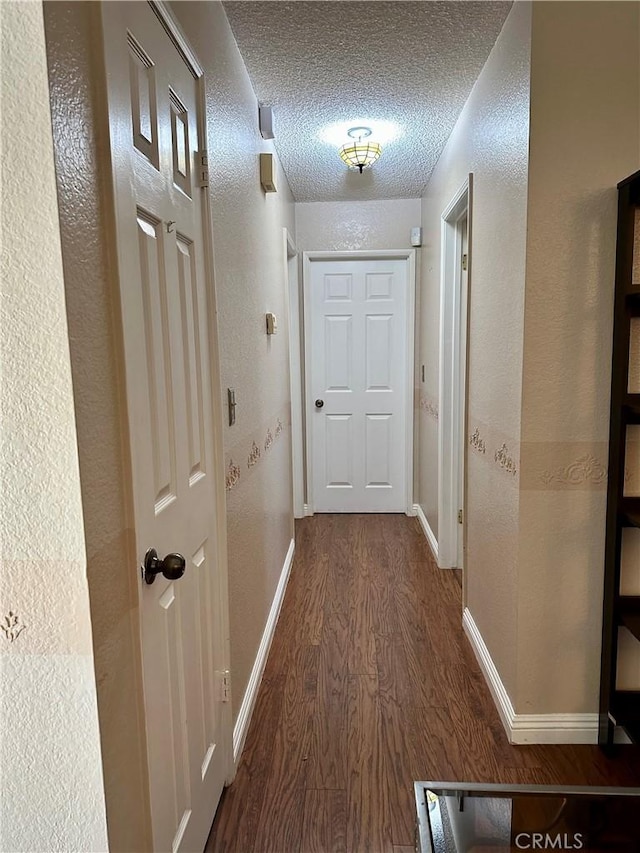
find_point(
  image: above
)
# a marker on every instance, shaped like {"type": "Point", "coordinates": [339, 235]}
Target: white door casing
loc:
{"type": "Point", "coordinates": [359, 364]}
{"type": "Point", "coordinates": [156, 122]}
{"type": "Point", "coordinates": [290, 256]}
{"type": "Point", "coordinates": [461, 371]}
{"type": "Point", "coordinates": [452, 447]}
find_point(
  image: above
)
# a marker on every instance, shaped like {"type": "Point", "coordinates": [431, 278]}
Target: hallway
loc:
{"type": "Point", "coordinates": [370, 685]}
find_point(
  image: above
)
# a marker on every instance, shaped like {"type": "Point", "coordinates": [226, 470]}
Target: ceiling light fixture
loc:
{"type": "Point", "coordinates": [358, 154]}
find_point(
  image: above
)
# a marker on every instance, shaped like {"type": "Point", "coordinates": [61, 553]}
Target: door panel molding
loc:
{"type": "Point", "coordinates": [375, 291]}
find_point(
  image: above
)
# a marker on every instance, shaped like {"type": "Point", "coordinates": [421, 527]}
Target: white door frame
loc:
{"type": "Point", "coordinates": [290, 254]}
{"type": "Point", "coordinates": [174, 30]}
{"type": "Point", "coordinates": [453, 384]}
{"type": "Point", "coordinates": [408, 255]}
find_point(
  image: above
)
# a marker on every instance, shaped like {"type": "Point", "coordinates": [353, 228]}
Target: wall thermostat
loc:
{"type": "Point", "coordinates": [272, 324]}
{"type": "Point", "coordinates": [416, 236]}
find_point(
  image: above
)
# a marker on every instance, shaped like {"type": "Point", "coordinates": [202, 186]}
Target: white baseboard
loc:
{"type": "Point", "coordinates": [428, 532]}
{"type": "Point", "coordinates": [251, 693]}
{"type": "Point", "coordinates": [307, 511]}
{"type": "Point", "coordinates": [528, 728]}
{"type": "Point", "coordinates": [492, 677]}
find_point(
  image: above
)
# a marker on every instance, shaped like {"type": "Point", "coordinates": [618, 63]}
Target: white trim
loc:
{"type": "Point", "coordinates": [410, 378]}
{"type": "Point", "coordinates": [555, 728]}
{"type": "Point", "coordinates": [292, 289]}
{"type": "Point", "coordinates": [165, 15]}
{"type": "Point", "coordinates": [492, 677]}
{"type": "Point", "coordinates": [426, 529]}
{"type": "Point", "coordinates": [251, 693]}
{"type": "Point", "coordinates": [307, 510]}
{"type": "Point", "coordinates": [408, 255]}
{"type": "Point", "coordinates": [528, 728]}
{"type": "Point", "coordinates": [449, 393]}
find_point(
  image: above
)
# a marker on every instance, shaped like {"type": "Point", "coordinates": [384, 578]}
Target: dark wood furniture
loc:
{"type": "Point", "coordinates": [621, 707]}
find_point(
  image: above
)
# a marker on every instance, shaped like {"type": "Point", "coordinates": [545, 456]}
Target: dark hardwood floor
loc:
{"type": "Point", "coordinates": [371, 685]}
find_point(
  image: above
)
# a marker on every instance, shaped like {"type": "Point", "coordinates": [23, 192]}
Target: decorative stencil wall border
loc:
{"type": "Point", "coordinates": [554, 466]}
{"type": "Point", "coordinates": [247, 454]}
{"type": "Point", "coordinates": [586, 469]}
{"type": "Point", "coordinates": [11, 626]}
{"type": "Point", "coordinates": [572, 466]}
{"type": "Point", "coordinates": [505, 460]}
{"type": "Point", "coordinates": [494, 447]}
{"type": "Point", "coordinates": [429, 406]}
{"type": "Point", "coordinates": [477, 442]}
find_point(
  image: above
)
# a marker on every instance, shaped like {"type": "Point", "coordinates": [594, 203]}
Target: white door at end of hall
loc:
{"type": "Point", "coordinates": [357, 393]}
{"type": "Point", "coordinates": [154, 123]}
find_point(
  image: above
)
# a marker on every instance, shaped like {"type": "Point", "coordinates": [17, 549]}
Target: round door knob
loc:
{"type": "Point", "coordinates": [319, 404]}
{"type": "Point", "coordinates": [172, 567]}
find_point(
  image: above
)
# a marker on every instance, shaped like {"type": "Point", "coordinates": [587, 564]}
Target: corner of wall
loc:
{"type": "Point", "coordinates": [499, 163]}
{"type": "Point", "coordinates": [582, 142]}
{"type": "Point", "coordinates": [53, 790]}
{"type": "Point", "coordinates": [78, 99]}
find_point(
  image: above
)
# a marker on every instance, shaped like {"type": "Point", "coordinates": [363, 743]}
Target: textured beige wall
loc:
{"type": "Point", "coordinates": [347, 226]}
{"type": "Point", "coordinates": [84, 178]}
{"type": "Point", "coordinates": [52, 791]}
{"type": "Point", "coordinates": [585, 137]}
{"type": "Point", "coordinates": [249, 271]}
{"type": "Point", "coordinates": [490, 140]}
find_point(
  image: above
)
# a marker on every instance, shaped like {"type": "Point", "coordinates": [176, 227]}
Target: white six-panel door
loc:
{"type": "Point", "coordinates": [155, 125]}
{"type": "Point", "coordinates": [357, 392]}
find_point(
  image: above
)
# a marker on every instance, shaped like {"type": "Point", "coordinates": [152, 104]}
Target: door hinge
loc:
{"type": "Point", "coordinates": [202, 159]}
{"type": "Point", "coordinates": [459, 516]}
{"type": "Point", "coordinates": [465, 262]}
{"type": "Point", "coordinates": [224, 686]}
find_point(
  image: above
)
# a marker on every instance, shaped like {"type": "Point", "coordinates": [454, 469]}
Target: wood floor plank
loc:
{"type": "Point", "coordinates": [328, 758]}
{"type": "Point", "coordinates": [235, 827]}
{"type": "Point", "coordinates": [439, 754]}
{"type": "Point", "coordinates": [368, 791]}
{"type": "Point", "coordinates": [300, 622]}
{"type": "Point", "coordinates": [380, 567]}
{"type": "Point", "coordinates": [280, 824]}
{"type": "Point", "coordinates": [396, 737]}
{"type": "Point", "coordinates": [394, 679]}
{"type": "Point", "coordinates": [371, 684]}
{"type": "Point", "coordinates": [325, 821]}
{"type": "Point", "coordinates": [362, 644]}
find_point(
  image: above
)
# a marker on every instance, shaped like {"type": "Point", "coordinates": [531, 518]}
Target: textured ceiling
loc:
{"type": "Point", "coordinates": [319, 64]}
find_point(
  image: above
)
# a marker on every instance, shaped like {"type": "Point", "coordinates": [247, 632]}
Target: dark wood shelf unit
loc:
{"type": "Point", "coordinates": [633, 302]}
{"type": "Point", "coordinates": [630, 512]}
{"type": "Point", "coordinates": [617, 707]}
{"type": "Point", "coordinates": [629, 611]}
{"type": "Point", "coordinates": [632, 623]}
{"type": "Point", "coordinates": [632, 408]}
{"type": "Point", "coordinates": [625, 702]}
{"type": "Point", "coordinates": [624, 710]}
